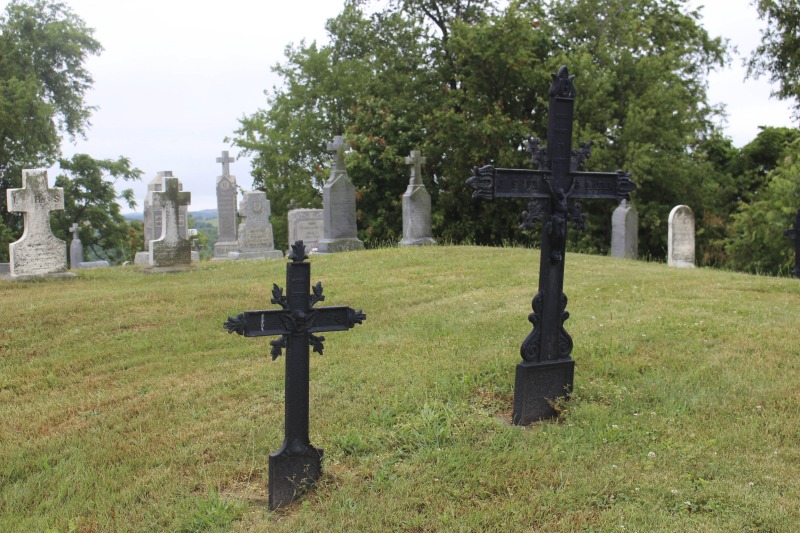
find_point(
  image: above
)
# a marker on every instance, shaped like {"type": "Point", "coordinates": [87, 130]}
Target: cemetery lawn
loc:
{"type": "Point", "coordinates": [125, 405]}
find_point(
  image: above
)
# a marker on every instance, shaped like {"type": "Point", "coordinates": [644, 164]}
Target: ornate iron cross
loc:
{"type": "Point", "coordinates": [552, 187]}
{"type": "Point", "coordinates": [297, 464]}
{"type": "Point", "coordinates": [794, 233]}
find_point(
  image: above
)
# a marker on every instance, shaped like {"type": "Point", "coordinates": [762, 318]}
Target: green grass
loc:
{"type": "Point", "coordinates": [125, 405]}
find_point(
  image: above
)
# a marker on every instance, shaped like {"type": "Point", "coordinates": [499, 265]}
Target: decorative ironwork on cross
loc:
{"type": "Point", "coordinates": [553, 187]}
{"type": "Point", "coordinates": [297, 464]}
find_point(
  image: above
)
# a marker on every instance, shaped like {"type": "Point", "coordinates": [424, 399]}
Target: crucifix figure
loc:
{"type": "Point", "coordinates": [297, 465]}
{"type": "Point", "coordinates": [38, 251]}
{"type": "Point", "coordinates": [794, 233]}
{"type": "Point", "coordinates": [226, 161]}
{"type": "Point", "coordinates": [547, 370]}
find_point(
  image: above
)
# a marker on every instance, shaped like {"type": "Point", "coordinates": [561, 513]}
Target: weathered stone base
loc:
{"type": "Point", "coordinates": [269, 254]}
{"type": "Point", "coordinates": [222, 249]}
{"type": "Point", "coordinates": [143, 258]}
{"type": "Point", "coordinates": [94, 264]}
{"type": "Point", "coordinates": [292, 474]}
{"type": "Point", "coordinates": [537, 385]}
{"type": "Point", "coordinates": [6, 276]}
{"type": "Point", "coordinates": [331, 246]}
{"type": "Point", "coordinates": [425, 241]}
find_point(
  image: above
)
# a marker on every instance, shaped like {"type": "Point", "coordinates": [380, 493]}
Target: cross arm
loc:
{"type": "Point", "coordinates": [490, 183]}
{"type": "Point", "coordinates": [602, 185]}
{"type": "Point", "coordinates": [334, 319]}
{"type": "Point", "coordinates": [260, 323]}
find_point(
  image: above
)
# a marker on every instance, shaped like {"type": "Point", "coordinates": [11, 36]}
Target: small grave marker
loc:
{"type": "Point", "coordinates": [416, 206]}
{"type": "Point", "coordinates": [171, 248]}
{"type": "Point", "coordinates": [339, 206]}
{"type": "Point", "coordinates": [680, 237]}
{"type": "Point", "coordinates": [794, 233]}
{"type": "Point", "coordinates": [297, 465]}
{"type": "Point", "coordinates": [547, 370]}
{"type": "Point", "coordinates": [75, 248]}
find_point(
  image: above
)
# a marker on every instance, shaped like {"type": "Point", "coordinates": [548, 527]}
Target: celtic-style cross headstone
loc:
{"type": "Point", "coordinates": [547, 370]}
{"type": "Point", "coordinates": [297, 465]}
{"type": "Point", "coordinates": [794, 233]}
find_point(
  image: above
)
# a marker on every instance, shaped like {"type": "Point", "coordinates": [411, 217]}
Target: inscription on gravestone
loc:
{"type": "Point", "coordinates": [547, 370]}
{"type": "Point", "coordinates": [680, 237]}
{"type": "Point", "coordinates": [794, 233]}
{"type": "Point", "coordinates": [307, 225]}
{"type": "Point", "coordinates": [297, 465]}
{"type": "Point", "coordinates": [38, 251]}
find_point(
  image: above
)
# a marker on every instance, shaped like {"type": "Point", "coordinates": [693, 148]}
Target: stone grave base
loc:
{"type": "Point", "coordinates": [539, 384]}
{"type": "Point", "coordinates": [143, 258]}
{"type": "Point", "coordinates": [425, 241]}
{"type": "Point", "coordinates": [6, 276]}
{"type": "Point", "coordinates": [291, 474]}
{"type": "Point", "coordinates": [330, 246]}
{"type": "Point", "coordinates": [94, 264]}
{"type": "Point", "coordinates": [271, 254]}
{"type": "Point", "coordinates": [222, 249]}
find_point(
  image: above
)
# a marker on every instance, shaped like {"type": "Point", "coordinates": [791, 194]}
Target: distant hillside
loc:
{"type": "Point", "coordinates": [205, 214]}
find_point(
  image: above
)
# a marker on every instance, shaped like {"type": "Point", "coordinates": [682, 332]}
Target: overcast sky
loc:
{"type": "Point", "coordinates": [176, 76]}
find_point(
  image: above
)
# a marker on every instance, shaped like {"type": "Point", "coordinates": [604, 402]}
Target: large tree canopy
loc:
{"type": "Point", "coordinates": [43, 85]}
{"type": "Point", "coordinates": [466, 82]}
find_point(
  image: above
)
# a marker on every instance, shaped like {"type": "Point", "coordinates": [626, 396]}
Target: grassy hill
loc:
{"type": "Point", "coordinates": [125, 405]}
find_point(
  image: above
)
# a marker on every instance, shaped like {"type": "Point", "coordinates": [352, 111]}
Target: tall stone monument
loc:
{"type": "Point", "coordinates": [255, 231]}
{"type": "Point", "coordinates": [680, 237]}
{"type": "Point", "coordinates": [416, 206]}
{"type": "Point", "coordinates": [625, 231]}
{"type": "Point", "coordinates": [339, 206]}
{"type": "Point", "coordinates": [38, 251]}
{"type": "Point", "coordinates": [226, 210]}
{"type": "Point", "coordinates": [171, 248]}
{"type": "Point", "coordinates": [307, 225]}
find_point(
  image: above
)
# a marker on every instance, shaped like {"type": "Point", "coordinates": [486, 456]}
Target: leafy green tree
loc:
{"type": "Point", "coordinates": [466, 82]}
{"type": "Point", "coordinates": [90, 199]}
{"type": "Point", "coordinates": [756, 242]}
{"type": "Point", "coordinates": [778, 55]}
{"type": "Point", "coordinates": [43, 82]}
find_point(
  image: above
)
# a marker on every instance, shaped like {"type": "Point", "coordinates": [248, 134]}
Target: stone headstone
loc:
{"type": "Point", "coordinates": [339, 206]}
{"type": "Point", "coordinates": [307, 225]}
{"type": "Point", "coordinates": [255, 231]}
{"type": "Point", "coordinates": [171, 248]}
{"type": "Point", "coordinates": [75, 248]}
{"type": "Point", "coordinates": [227, 196]}
{"type": "Point", "coordinates": [152, 217]}
{"type": "Point", "coordinates": [38, 251]}
{"type": "Point", "coordinates": [680, 237]}
{"type": "Point", "coordinates": [416, 206]}
{"type": "Point", "coordinates": [625, 231]}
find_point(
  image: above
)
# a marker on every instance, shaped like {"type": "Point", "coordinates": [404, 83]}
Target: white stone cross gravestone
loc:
{"type": "Point", "coordinates": [38, 251]}
{"type": "Point", "coordinates": [680, 237]}
{"type": "Point", "coordinates": [416, 206]}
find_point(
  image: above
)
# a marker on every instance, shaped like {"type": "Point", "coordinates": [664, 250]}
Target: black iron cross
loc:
{"type": "Point", "coordinates": [794, 233]}
{"type": "Point", "coordinates": [551, 188]}
{"type": "Point", "coordinates": [297, 464]}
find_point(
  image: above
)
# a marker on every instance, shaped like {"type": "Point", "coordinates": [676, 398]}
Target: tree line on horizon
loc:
{"type": "Point", "coordinates": [465, 82]}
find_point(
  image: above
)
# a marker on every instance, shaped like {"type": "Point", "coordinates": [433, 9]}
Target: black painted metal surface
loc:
{"type": "Point", "coordinates": [552, 188]}
{"type": "Point", "coordinates": [297, 465]}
